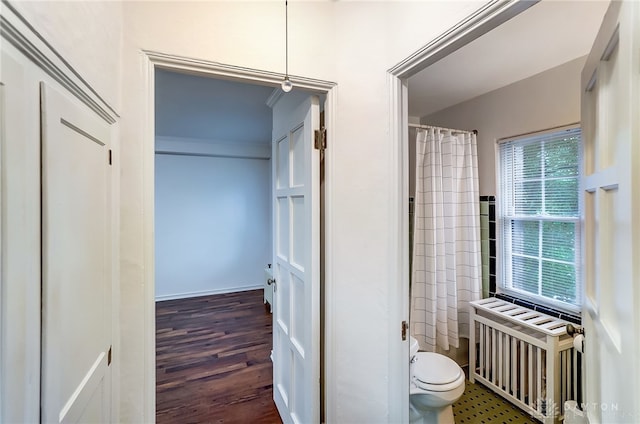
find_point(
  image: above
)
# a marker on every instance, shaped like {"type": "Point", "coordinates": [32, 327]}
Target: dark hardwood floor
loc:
{"type": "Point", "coordinates": [212, 360]}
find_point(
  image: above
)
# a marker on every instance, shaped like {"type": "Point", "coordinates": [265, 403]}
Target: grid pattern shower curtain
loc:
{"type": "Point", "coordinates": [447, 269]}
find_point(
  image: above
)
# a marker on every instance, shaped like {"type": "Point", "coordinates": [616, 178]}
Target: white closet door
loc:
{"type": "Point", "coordinates": [76, 263]}
{"type": "Point", "coordinates": [611, 184]}
{"type": "Point", "coordinates": [296, 230]}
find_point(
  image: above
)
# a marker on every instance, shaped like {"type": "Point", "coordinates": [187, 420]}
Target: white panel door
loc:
{"type": "Point", "coordinates": [76, 263]}
{"type": "Point", "coordinates": [611, 314]}
{"type": "Point", "coordinates": [296, 242]}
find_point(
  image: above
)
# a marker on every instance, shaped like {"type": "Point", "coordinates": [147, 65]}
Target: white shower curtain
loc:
{"type": "Point", "coordinates": [446, 269]}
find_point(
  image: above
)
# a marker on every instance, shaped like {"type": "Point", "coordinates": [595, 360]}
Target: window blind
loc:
{"type": "Point", "coordinates": [539, 213]}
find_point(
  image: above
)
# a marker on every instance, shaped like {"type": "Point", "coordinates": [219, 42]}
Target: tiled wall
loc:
{"type": "Point", "coordinates": [488, 245]}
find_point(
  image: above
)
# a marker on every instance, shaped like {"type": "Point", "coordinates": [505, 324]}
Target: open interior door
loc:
{"type": "Point", "coordinates": [611, 313]}
{"type": "Point", "coordinates": [76, 263]}
{"type": "Point", "coordinates": [296, 247]}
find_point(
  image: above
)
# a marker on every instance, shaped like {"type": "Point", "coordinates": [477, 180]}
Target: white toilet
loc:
{"type": "Point", "coordinates": [436, 383]}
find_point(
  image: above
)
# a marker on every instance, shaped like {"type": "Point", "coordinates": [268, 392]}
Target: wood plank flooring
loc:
{"type": "Point", "coordinates": [212, 360]}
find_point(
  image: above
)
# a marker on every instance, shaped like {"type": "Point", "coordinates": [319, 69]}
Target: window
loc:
{"type": "Point", "coordinates": [539, 217]}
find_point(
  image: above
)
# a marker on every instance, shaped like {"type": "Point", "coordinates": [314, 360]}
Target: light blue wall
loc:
{"type": "Point", "coordinates": [212, 224]}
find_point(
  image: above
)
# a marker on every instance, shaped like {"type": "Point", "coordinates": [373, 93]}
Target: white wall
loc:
{"type": "Point", "coordinates": [213, 224]}
{"type": "Point", "coordinates": [353, 44]}
{"type": "Point", "coordinates": [546, 100]}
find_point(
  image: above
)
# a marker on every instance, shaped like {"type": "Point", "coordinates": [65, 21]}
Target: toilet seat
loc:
{"type": "Point", "coordinates": [436, 373]}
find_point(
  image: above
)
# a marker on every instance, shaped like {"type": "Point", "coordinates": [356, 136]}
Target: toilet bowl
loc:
{"type": "Point", "coordinates": [436, 383]}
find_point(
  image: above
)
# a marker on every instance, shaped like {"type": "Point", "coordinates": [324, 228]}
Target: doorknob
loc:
{"type": "Point", "coordinates": [272, 281]}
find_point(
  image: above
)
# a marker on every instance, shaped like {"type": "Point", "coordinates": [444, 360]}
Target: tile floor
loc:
{"type": "Point", "coordinates": [479, 405]}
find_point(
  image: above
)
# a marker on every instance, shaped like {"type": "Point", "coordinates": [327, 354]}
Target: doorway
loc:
{"type": "Point", "coordinates": [481, 22]}
{"type": "Point", "coordinates": [456, 56]}
{"type": "Point", "coordinates": [212, 242]}
{"type": "Point", "coordinates": [214, 70]}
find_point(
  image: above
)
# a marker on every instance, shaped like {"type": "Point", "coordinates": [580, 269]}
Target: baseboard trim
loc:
{"type": "Point", "coordinates": [206, 293]}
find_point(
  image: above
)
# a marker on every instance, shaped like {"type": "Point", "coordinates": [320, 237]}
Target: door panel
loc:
{"type": "Point", "coordinates": [76, 262]}
{"type": "Point", "coordinates": [611, 315]}
{"type": "Point", "coordinates": [296, 190]}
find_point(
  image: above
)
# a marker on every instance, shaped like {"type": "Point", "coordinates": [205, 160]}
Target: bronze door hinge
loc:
{"type": "Point", "coordinates": [320, 139]}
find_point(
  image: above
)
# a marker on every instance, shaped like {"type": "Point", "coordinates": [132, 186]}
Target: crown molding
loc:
{"type": "Point", "coordinates": [15, 29]}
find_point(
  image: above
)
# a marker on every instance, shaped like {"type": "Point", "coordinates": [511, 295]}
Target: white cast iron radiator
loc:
{"type": "Point", "coordinates": [523, 355]}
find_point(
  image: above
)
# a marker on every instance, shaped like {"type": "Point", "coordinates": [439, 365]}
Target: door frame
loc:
{"type": "Point", "coordinates": [483, 20]}
{"type": "Point", "coordinates": [151, 61]}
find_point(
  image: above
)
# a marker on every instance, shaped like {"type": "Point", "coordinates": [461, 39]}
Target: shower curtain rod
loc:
{"type": "Point", "coordinates": [426, 127]}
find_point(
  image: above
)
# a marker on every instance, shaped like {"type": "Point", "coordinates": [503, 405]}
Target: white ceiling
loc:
{"type": "Point", "coordinates": [193, 106]}
{"type": "Point", "coordinates": [544, 36]}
